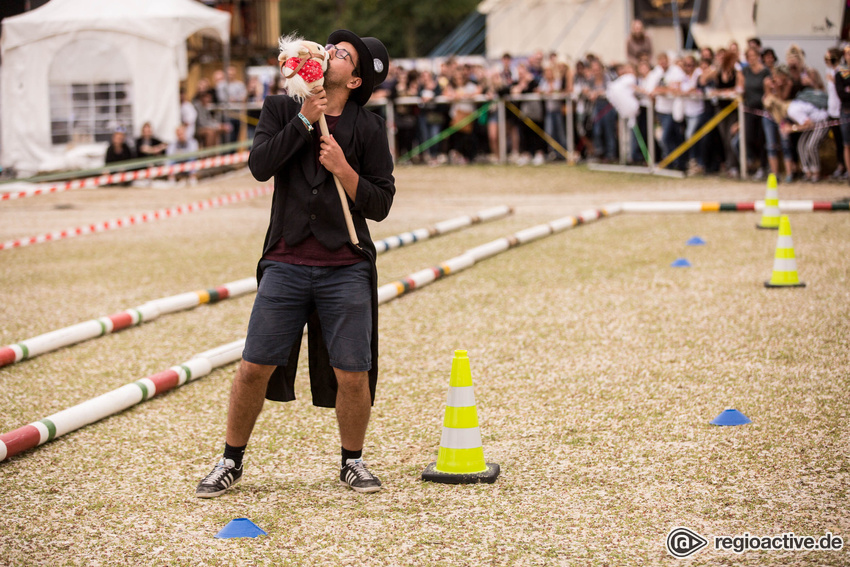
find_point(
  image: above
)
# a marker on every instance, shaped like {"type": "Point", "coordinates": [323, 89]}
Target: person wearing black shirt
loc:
{"type": "Point", "coordinates": [118, 149]}
{"type": "Point", "coordinates": [148, 145]}
{"type": "Point", "coordinates": [311, 272]}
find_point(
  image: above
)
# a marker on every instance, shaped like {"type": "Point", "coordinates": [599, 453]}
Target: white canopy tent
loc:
{"type": "Point", "coordinates": [74, 69]}
{"type": "Point", "coordinates": [573, 28]}
{"type": "Point", "coordinates": [569, 27]}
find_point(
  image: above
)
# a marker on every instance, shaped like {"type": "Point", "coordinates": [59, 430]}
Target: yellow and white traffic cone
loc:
{"type": "Point", "coordinates": [784, 263]}
{"type": "Point", "coordinates": [770, 213]}
{"type": "Point", "coordinates": [461, 456]}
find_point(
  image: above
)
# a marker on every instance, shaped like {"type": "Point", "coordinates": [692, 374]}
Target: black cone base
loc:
{"type": "Point", "coordinates": [433, 475]}
{"type": "Point", "coordinates": [768, 284]}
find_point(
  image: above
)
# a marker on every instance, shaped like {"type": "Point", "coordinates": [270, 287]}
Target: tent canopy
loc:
{"type": "Point", "coordinates": [569, 27]}
{"type": "Point", "coordinates": [168, 22]}
{"type": "Point", "coordinates": [130, 52]}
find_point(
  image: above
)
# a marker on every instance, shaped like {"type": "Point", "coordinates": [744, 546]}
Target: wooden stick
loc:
{"type": "Point", "coordinates": [323, 125]}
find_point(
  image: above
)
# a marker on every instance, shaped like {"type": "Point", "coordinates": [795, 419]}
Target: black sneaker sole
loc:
{"type": "Point", "coordinates": [219, 493]}
{"type": "Point", "coordinates": [361, 489]}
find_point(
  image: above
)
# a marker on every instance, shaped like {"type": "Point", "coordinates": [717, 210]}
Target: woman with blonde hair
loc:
{"type": "Point", "coordinates": [776, 99]}
{"type": "Point", "coordinates": [802, 75]}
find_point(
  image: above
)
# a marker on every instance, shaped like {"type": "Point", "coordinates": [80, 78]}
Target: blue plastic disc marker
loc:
{"type": "Point", "coordinates": [695, 241]}
{"type": "Point", "coordinates": [731, 417]}
{"type": "Point", "coordinates": [681, 263]}
{"type": "Point", "coordinates": [240, 527]}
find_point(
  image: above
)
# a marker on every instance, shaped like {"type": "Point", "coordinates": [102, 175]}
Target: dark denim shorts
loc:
{"type": "Point", "coordinates": [287, 295]}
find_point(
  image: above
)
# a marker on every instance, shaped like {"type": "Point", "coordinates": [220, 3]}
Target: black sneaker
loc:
{"type": "Point", "coordinates": [356, 476]}
{"type": "Point", "coordinates": [223, 476]}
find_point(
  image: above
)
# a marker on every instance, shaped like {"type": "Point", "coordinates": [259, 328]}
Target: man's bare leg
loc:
{"type": "Point", "coordinates": [247, 395]}
{"type": "Point", "coordinates": [353, 408]}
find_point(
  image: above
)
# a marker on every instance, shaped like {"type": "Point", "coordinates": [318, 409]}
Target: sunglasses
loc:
{"type": "Point", "coordinates": [340, 53]}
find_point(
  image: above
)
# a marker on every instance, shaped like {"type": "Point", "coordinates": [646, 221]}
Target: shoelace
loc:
{"type": "Point", "coordinates": [219, 471]}
{"type": "Point", "coordinates": [359, 468]}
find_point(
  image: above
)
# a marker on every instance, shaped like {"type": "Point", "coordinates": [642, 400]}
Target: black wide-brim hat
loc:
{"type": "Point", "coordinates": [374, 62]}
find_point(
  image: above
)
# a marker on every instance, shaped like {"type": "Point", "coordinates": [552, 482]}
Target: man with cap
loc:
{"type": "Point", "coordinates": [310, 272]}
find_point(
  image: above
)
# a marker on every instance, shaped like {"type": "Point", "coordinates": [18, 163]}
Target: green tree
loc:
{"type": "Point", "coordinates": [409, 28]}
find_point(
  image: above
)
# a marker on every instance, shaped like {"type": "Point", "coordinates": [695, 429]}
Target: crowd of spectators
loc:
{"type": "Point", "coordinates": [149, 146]}
{"type": "Point", "coordinates": [201, 125]}
{"type": "Point", "coordinates": [789, 110]}
{"type": "Point", "coordinates": [446, 99]}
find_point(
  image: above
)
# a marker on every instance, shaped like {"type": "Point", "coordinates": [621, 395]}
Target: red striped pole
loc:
{"type": "Point", "coordinates": [140, 218]}
{"type": "Point", "coordinates": [95, 409]}
{"type": "Point", "coordinates": [48, 342]}
{"type": "Point", "coordinates": [151, 310]}
{"type": "Point", "coordinates": [443, 227]}
{"type": "Point", "coordinates": [130, 175]}
{"type": "Point", "coordinates": [469, 258]}
{"type": "Point", "coordinates": [712, 207]}
{"type": "Point", "coordinates": [47, 429]}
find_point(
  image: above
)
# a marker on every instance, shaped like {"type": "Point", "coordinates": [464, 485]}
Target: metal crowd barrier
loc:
{"type": "Point", "coordinates": [389, 108]}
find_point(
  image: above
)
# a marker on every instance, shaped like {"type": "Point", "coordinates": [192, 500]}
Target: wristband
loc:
{"type": "Point", "coordinates": [306, 122]}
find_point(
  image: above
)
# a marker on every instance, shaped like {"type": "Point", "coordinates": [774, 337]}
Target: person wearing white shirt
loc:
{"type": "Point", "coordinates": [642, 88]}
{"type": "Point", "coordinates": [669, 110]}
{"type": "Point", "coordinates": [812, 119]}
{"type": "Point", "coordinates": [182, 144]}
{"type": "Point", "coordinates": [188, 114]}
{"type": "Point", "coordinates": [693, 107]}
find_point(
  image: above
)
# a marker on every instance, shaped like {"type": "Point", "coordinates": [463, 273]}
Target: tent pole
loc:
{"type": "Point", "coordinates": [225, 65]}
{"type": "Point", "coordinates": [694, 16]}
{"type": "Point", "coordinates": [677, 25]}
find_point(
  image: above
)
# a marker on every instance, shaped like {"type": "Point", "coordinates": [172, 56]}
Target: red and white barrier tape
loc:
{"type": "Point", "coordinates": [139, 218]}
{"type": "Point", "coordinates": [133, 175]}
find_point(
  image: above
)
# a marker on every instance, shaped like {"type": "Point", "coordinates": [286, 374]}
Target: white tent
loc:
{"type": "Point", "coordinates": [574, 28]}
{"type": "Point", "coordinates": [72, 69]}
{"type": "Point", "coordinates": [569, 27]}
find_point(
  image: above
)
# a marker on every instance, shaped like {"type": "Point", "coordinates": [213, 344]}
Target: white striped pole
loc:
{"type": "Point", "coordinates": [87, 330]}
{"type": "Point", "coordinates": [47, 429]}
{"type": "Point", "coordinates": [797, 206]}
{"type": "Point", "coordinates": [443, 227]}
{"type": "Point", "coordinates": [149, 311]}
{"type": "Point", "coordinates": [44, 430]}
{"type": "Point", "coordinates": [131, 220]}
{"type": "Point", "coordinates": [130, 175]}
{"type": "Point", "coordinates": [469, 258]}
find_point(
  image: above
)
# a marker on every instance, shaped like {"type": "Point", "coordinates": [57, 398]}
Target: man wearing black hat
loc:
{"type": "Point", "coordinates": [310, 272]}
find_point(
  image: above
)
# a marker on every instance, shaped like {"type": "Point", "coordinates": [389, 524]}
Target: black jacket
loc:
{"type": "Point", "coordinates": [842, 86]}
{"type": "Point", "coordinates": [306, 201]}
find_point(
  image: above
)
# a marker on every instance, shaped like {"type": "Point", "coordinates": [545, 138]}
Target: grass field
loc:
{"type": "Point", "coordinates": [597, 369]}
